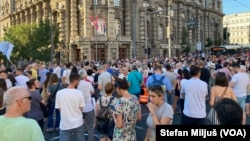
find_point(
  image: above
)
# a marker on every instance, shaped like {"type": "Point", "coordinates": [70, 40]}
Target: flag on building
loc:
{"type": "Point", "coordinates": [94, 22]}
{"type": "Point", "coordinates": [6, 49]}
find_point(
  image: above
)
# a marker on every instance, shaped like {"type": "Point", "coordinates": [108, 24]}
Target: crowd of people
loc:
{"type": "Point", "coordinates": [75, 93]}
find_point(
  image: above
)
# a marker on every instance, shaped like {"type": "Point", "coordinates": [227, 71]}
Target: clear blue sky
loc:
{"type": "Point", "coordinates": [236, 6]}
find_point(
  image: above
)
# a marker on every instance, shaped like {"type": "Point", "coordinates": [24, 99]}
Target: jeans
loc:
{"type": "Point", "coordinates": [75, 134]}
{"type": "Point", "coordinates": [185, 120]}
{"type": "Point", "coordinates": [41, 123]}
{"type": "Point", "coordinates": [51, 113]}
{"type": "Point", "coordinates": [242, 102]}
{"type": "Point", "coordinates": [89, 124]}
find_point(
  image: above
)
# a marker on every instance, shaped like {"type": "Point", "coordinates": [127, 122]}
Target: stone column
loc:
{"type": "Point", "coordinates": [32, 15]}
{"type": "Point", "coordinates": [128, 12]}
{"type": "Point", "coordinates": [22, 17]}
{"type": "Point", "coordinates": [17, 18]}
{"type": "Point", "coordinates": [13, 19]}
{"type": "Point", "coordinates": [46, 11]}
{"type": "Point", "coordinates": [39, 13]}
{"type": "Point", "coordinates": [61, 26]}
{"type": "Point", "coordinates": [73, 15]}
{"type": "Point", "coordinates": [27, 17]}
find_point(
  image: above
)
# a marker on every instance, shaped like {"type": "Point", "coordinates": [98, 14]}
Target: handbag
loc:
{"type": "Point", "coordinates": [44, 109]}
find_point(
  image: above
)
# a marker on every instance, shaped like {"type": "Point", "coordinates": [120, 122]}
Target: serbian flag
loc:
{"type": "Point", "coordinates": [94, 22]}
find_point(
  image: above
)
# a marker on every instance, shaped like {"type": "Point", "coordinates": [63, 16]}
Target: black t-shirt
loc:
{"type": "Point", "coordinates": [2, 111]}
{"type": "Point", "coordinates": [205, 75]}
{"type": "Point", "coordinates": [96, 79]}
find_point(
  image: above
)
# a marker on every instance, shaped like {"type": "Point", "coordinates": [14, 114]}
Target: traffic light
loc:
{"type": "Point", "coordinates": [149, 50]}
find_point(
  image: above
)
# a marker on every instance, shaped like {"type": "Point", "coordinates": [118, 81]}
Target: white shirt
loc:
{"type": "Point", "coordinates": [183, 81]}
{"type": "Point", "coordinates": [90, 78]}
{"type": "Point", "coordinates": [8, 83]}
{"type": "Point", "coordinates": [57, 71]}
{"type": "Point", "coordinates": [21, 80]}
{"type": "Point", "coordinates": [240, 81]}
{"type": "Point", "coordinates": [86, 89]}
{"type": "Point", "coordinates": [66, 74]}
{"type": "Point", "coordinates": [195, 91]}
{"type": "Point", "coordinates": [69, 102]}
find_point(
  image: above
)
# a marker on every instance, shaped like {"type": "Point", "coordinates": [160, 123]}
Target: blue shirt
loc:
{"type": "Point", "coordinates": [166, 81]}
{"type": "Point", "coordinates": [134, 79]}
{"type": "Point", "coordinates": [42, 74]}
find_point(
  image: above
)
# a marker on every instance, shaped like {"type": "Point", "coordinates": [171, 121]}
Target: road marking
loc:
{"type": "Point", "coordinates": [57, 137]}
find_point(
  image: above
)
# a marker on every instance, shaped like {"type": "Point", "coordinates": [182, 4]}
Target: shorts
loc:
{"type": "Point", "coordinates": [242, 102]}
{"type": "Point", "coordinates": [248, 99]}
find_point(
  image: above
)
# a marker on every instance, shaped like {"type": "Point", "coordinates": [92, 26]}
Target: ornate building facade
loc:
{"type": "Point", "coordinates": [112, 29]}
{"type": "Point", "coordinates": [238, 27]}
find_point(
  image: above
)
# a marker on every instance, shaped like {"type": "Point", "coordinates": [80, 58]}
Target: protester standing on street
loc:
{"type": "Point", "coordinates": [134, 81]}
{"type": "Point", "coordinates": [161, 113]}
{"type": "Point", "coordinates": [195, 91]}
{"type": "Point", "coordinates": [15, 127]}
{"type": "Point", "coordinates": [239, 83]}
{"type": "Point", "coordinates": [35, 112]}
{"type": "Point", "coordinates": [127, 113]}
{"type": "Point", "coordinates": [70, 103]}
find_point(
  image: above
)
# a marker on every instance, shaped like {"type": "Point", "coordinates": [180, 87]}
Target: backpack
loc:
{"type": "Point", "coordinates": [103, 118]}
{"type": "Point", "coordinates": [159, 82]}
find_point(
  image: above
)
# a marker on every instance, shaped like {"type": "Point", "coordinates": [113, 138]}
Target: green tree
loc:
{"type": "Point", "coordinates": [209, 42]}
{"type": "Point", "coordinates": [31, 40]}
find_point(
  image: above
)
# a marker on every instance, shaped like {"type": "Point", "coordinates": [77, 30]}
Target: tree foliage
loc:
{"type": "Point", "coordinates": [31, 40]}
{"type": "Point", "coordinates": [209, 42]}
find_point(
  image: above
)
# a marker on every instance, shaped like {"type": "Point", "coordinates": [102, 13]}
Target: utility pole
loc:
{"type": "Point", "coordinates": [169, 30]}
{"type": "Point", "coordinates": [145, 20]}
{"type": "Point", "coordinates": [95, 32]}
{"type": "Point", "coordinates": [51, 38]}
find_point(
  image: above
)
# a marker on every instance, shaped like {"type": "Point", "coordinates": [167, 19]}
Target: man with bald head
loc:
{"type": "Point", "coordinates": [13, 126]}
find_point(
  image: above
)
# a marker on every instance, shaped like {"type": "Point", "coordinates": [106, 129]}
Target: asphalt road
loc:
{"type": "Point", "coordinates": [140, 128]}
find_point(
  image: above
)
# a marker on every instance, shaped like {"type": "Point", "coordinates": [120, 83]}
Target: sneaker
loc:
{"type": "Point", "coordinates": [50, 129]}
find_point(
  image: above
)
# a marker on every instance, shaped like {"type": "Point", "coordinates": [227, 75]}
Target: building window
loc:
{"type": "Point", "coordinates": [116, 2]}
{"type": "Point", "coordinates": [218, 4]}
{"type": "Point", "coordinates": [99, 2]}
{"type": "Point", "coordinates": [160, 32]}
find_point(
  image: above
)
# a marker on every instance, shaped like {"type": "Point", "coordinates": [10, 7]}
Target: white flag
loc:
{"type": "Point", "coordinates": [6, 48]}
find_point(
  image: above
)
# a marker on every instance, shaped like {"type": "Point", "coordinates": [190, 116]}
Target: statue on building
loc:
{"type": "Point", "coordinates": [5, 8]}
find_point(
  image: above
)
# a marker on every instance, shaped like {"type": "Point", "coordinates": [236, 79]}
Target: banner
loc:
{"type": "Point", "coordinates": [6, 48]}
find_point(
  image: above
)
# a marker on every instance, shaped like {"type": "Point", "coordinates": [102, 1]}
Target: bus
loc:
{"type": "Point", "coordinates": [230, 49]}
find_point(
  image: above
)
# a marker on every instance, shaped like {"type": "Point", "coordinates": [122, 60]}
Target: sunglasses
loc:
{"type": "Point", "coordinates": [28, 97]}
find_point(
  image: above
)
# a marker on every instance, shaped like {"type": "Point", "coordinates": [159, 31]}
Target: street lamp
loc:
{"type": "Point", "coordinates": [51, 38]}
{"type": "Point", "coordinates": [145, 4]}
{"type": "Point", "coordinates": [95, 2]}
